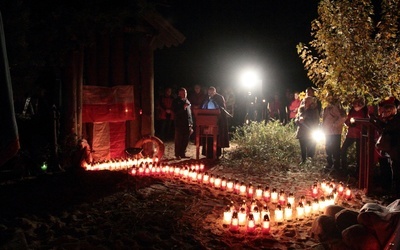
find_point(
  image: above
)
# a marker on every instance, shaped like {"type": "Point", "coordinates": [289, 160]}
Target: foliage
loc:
{"type": "Point", "coordinates": [270, 142]}
{"type": "Point", "coordinates": [352, 54]}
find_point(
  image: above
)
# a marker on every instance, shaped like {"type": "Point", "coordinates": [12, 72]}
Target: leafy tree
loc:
{"type": "Point", "coordinates": [354, 51]}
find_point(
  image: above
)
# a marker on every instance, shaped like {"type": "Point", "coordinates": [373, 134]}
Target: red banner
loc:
{"type": "Point", "coordinates": [107, 104]}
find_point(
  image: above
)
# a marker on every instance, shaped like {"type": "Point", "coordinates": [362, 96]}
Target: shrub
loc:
{"type": "Point", "coordinates": [270, 142]}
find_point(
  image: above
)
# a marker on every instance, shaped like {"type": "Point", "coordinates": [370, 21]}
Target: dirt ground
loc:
{"type": "Point", "coordinates": [115, 210]}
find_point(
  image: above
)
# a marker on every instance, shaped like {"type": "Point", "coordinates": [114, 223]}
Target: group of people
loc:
{"type": "Point", "coordinates": [333, 118]}
{"type": "Point", "coordinates": [177, 113]}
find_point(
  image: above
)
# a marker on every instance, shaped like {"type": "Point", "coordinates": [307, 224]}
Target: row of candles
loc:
{"type": "Point", "coordinates": [252, 218]}
{"type": "Point", "coordinates": [195, 172]}
{"type": "Point", "coordinates": [120, 164]}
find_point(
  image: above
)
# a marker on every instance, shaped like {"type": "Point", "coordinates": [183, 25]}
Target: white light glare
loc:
{"type": "Point", "coordinates": [318, 135]}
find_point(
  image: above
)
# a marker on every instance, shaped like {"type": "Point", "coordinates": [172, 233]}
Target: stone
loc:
{"type": "Point", "coordinates": [359, 237]}
{"type": "Point", "coordinates": [324, 229]}
{"type": "Point", "coordinates": [346, 218]}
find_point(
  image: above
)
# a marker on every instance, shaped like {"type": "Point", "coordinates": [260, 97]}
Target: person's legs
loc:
{"type": "Point", "coordinates": [303, 148]}
{"type": "Point", "coordinates": [343, 152]}
{"type": "Point", "coordinates": [311, 146]}
{"type": "Point", "coordinates": [329, 151]}
{"type": "Point", "coordinates": [336, 150]}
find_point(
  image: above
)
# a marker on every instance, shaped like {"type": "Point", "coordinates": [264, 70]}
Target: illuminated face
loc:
{"type": "Point", "coordinates": [182, 93]}
{"type": "Point", "coordinates": [211, 91]}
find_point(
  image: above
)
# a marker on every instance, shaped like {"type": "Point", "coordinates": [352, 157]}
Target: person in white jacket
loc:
{"type": "Point", "coordinates": [333, 119]}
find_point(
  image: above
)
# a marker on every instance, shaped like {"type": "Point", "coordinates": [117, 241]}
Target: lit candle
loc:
{"type": "Point", "coordinates": [290, 198]}
{"type": "Point", "coordinates": [256, 215]}
{"type": "Point", "coordinates": [259, 192]}
{"type": "Point", "coordinates": [251, 225]}
{"type": "Point", "coordinates": [300, 211]}
{"type": "Point", "coordinates": [278, 214]}
{"type": "Point", "coordinates": [177, 170]}
{"type": "Point", "coordinates": [206, 178]}
{"type": "Point", "coordinates": [340, 188]}
{"type": "Point", "coordinates": [267, 194]}
{"type": "Point", "coordinates": [322, 204]}
{"type": "Point", "coordinates": [315, 206]}
{"type": "Point", "coordinates": [307, 209]}
{"type": "Point", "coordinates": [253, 204]}
{"type": "Point", "coordinates": [227, 216]}
{"type": "Point", "coordinates": [234, 222]}
{"type": "Point", "coordinates": [147, 171]}
{"type": "Point", "coordinates": [133, 171]}
{"type": "Point", "coordinates": [217, 182]}
{"type": "Point", "coordinates": [223, 183]}
{"type": "Point", "coordinates": [212, 179]}
{"type": "Point", "coordinates": [185, 173]}
{"type": "Point", "coordinates": [265, 211]}
{"type": "Point", "coordinates": [242, 189]}
{"type": "Point", "coordinates": [265, 224]}
{"type": "Point", "coordinates": [274, 196]}
{"type": "Point", "coordinates": [288, 212]}
{"type": "Point", "coordinates": [237, 186]}
{"type": "Point", "coordinates": [347, 192]}
{"type": "Point", "coordinates": [229, 185]}
{"type": "Point", "coordinates": [315, 190]}
{"type": "Point", "coordinates": [250, 190]}
{"type": "Point", "coordinates": [199, 177]}
{"type": "Point", "coordinates": [282, 197]}
{"type": "Point", "coordinates": [242, 217]}
{"type": "Point", "coordinates": [323, 185]}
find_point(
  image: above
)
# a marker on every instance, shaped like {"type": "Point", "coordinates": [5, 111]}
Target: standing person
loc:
{"type": "Point", "coordinates": [307, 120]}
{"type": "Point", "coordinates": [389, 145]}
{"type": "Point", "coordinates": [294, 106]}
{"type": "Point", "coordinates": [166, 116]}
{"type": "Point", "coordinates": [275, 108]}
{"type": "Point", "coordinates": [230, 101]}
{"type": "Point", "coordinates": [333, 119]}
{"type": "Point", "coordinates": [197, 97]}
{"type": "Point", "coordinates": [311, 92]}
{"type": "Point", "coordinates": [183, 123]}
{"type": "Point", "coordinates": [216, 101]}
{"type": "Point", "coordinates": [358, 110]}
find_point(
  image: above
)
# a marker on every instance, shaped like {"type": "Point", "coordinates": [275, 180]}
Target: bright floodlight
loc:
{"type": "Point", "coordinates": [318, 135]}
{"type": "Point", "coordinates": [249, 79]}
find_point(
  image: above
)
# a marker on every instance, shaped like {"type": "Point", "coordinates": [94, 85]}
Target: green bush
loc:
{"type": "Point", "coordinates": [271, 142]}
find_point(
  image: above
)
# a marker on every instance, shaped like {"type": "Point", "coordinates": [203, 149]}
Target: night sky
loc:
{"type": "Point", "coordinates": [224, 37]}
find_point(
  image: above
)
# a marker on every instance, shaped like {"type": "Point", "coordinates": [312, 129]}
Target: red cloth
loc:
{"type": "Point", "coordinates": [107, 104]}
{"type": "Point", "coordinates": [293, 108]}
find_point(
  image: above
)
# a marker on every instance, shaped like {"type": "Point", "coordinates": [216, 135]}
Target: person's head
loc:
{"type": "Point", "coordinates": [310, 91]}
{"type": "Point", "coordinates": [197, 88]}
{"type": "Point", "coordinates": [309, 102]}
{"type": "Point", "coordinates": [358, 103]}
{"type": "Point", "coordinates": [388, 107]}
{"type": "Point", "coordinates": [168, 91]}
{"type": "Point", "coordinates": [182, 93]}
{"type": "Point", "coordinates": [296, 96]}
{"type": "Point", "coordinates": [212, 91]}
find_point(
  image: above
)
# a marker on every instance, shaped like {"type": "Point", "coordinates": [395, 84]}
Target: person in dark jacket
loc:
{"type": "Point", "coordinates": [307, 121]}
{"type": "Point", "coordinates": [216, 101]}
{"type": "Point", "coordinates": [183, 123]}
{"type": "Point", "coordinates": [358, 111]}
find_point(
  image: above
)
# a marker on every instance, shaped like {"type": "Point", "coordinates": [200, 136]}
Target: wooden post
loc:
{"type": "Point", "coordinates": [367, 146]}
